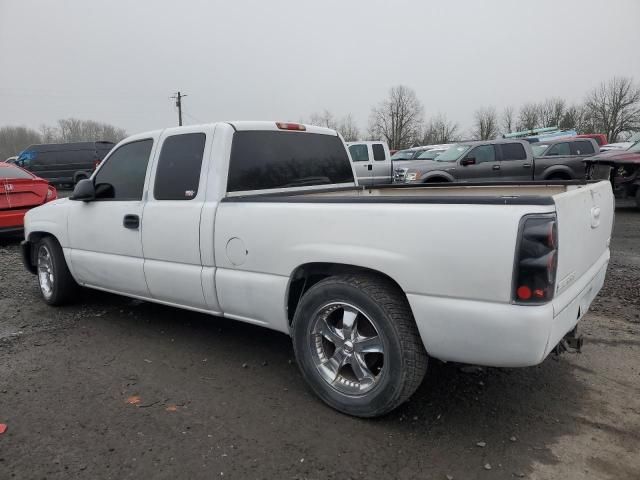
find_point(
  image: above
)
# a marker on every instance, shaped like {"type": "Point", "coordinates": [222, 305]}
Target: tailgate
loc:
{"type": "Point", "coordinates": [585, 219]}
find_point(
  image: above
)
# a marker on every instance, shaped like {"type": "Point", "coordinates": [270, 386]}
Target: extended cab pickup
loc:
{"type": "Point", "coordinates": [262, 222]}
{"type": "Point", "coordinates": [500, 161]}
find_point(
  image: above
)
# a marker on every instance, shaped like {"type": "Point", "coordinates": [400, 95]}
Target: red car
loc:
{"type": "Point", "coordinates": [20, 191]}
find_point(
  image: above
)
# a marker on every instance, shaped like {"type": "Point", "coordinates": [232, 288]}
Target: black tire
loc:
{"type": "Point", "coordinates": [62, 287]}
{"type": "Point", "coordinates": [78, 177]}
{"type": "Point", "coordinates": [381, 304]}
{"type": "Point", "coordinates": [638, 198]}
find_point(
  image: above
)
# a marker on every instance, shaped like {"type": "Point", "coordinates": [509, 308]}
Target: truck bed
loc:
{"type": "Point", "coordinates": [530, 193]}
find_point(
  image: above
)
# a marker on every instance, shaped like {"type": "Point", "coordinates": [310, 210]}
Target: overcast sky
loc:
{"type": "Point", "coordinates": [119, 61]}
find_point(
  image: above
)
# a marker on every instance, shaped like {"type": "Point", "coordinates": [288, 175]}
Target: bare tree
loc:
{"type": "Point", "coordinates": [614, 107]}
{"type": "Point", "coordinates": [15, 139]}
{"type": "Point", "coordinates": [529, 117]}
{"type": "Point", "coordinates": [398, 118]}
{"type": "Point", "coordinates": [348, 128]}
{"type": "Point", "coordinates": [508, 120]}
{"type": "Point", "coordinates": [76, 130]}
{"type": "Point", "coordinates": [486, 123]}
{"type": "Point", "coordinates": [575, 117]}
{"type": "Point", "coordinates": [324, 119]}
{"type": "Point", "coordinates": [550, 112]}
{"type": "Point", "coordinates": [440, 130]}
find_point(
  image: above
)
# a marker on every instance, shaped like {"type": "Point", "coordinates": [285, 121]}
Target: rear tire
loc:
{"type": "Point", "coordinates": [57, 286]}
{"type": "Point", "coordinates": [638, 197]}
{"type": "Point", "coordinates": [357, 344]}
{"type": "Point", "coordinates": [558, 176]}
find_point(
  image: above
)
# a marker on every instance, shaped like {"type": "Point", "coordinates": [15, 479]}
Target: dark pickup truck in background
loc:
{"type": "Point", "coordinates": [501, 160]}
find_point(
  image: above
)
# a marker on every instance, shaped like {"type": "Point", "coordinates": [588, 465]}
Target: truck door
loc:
{"type": "Point", "coordinates": [480, 164]}
{"type": "Point", "coordinates": [104, 234]}
{"type": "Point", "coordinates": [515, 166]}
{"type": "Point", "coordinates": [362, 163]}
{"type": "Point", "coordinates": [171, 221]}
{"type": "Point", "coordinates": [381, 164]}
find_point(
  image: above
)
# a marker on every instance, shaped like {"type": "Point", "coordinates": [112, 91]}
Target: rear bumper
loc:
{"type": "Point", "coordinates": [503, 335]}
{"type": "Point", "coordinates": [12, 220]}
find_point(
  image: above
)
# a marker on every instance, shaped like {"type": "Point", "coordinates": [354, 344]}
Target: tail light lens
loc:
{"type": "Point", "coordinates": [52, 193]}
{"type": "Point", "coordinates": [536, 260]}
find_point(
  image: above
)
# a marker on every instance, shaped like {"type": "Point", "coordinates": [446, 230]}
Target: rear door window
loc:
{"type": "Point", "coordinates": [378, 151]}
{"type": "Point", "coordinates": [582, 148]}
{"type": "Point", "coordinates": [179, 166]}
{"type": "Point", "coordinates": [359, 153]}
{"type": "Point", "coordinates": [513, 151]}
{"type": "Point", "coordinates": [558, 149]}
{"type": "Point", "coordinates": [122, 177]}
{"type": "Point", "coordinates": [264, 159]}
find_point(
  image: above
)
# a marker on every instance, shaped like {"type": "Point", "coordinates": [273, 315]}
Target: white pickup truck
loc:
{"type": "Point", "coordinates": [262, 222]}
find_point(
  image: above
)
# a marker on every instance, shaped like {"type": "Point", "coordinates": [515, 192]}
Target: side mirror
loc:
{"type": "Point", "coordinates": [84, 191]}
{"type": "Point", "coordinates": [468, 161]}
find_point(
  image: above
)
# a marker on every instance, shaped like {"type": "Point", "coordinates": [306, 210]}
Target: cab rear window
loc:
{"type": "Point", "coordinates": [263, 160]}
{"type": "Point", "coordinates": [10, 172]}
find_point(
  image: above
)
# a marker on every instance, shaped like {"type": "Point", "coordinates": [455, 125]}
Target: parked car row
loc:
{"type": "Point", "coordinates": [501, 160]}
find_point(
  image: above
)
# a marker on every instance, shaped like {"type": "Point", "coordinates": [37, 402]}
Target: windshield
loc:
{"type": "Point", "coordinates": [538, 149]}
{"type": "Point", "coordinates": [453, 154]}
{"type": "Point", "coordinates": [429, 154]}
{"type": "Point", "coordinates": [635, 148]}
{"type": "Point", "coordinates": [403, 155]}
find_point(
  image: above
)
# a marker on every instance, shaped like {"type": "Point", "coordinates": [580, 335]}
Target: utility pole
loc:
{"type": "Point", "coordinates": [178, 98]}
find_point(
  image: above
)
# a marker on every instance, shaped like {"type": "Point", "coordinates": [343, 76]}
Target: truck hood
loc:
{"type": "Point", "coordinates": [419, 165]}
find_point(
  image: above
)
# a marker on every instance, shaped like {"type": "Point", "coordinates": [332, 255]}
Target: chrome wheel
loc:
{"type": "Point", "coordinates": [346, 348]}
{"type": "Point", "coordinates": [45, 271]}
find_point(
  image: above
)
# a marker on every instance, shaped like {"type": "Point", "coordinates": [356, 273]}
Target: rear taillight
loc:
{"type": "Point", "coordinates": [536, 260]}
{"type": "Point", "coordinates": [95, 164]}
{"type": "Point", "coordinates": [52, 193]}
{"type": "Point", "coordinates": [291, 126]}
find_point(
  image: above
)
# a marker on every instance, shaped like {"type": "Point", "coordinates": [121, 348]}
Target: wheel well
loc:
{"type": "Point", "coordinates": [559, 176]}
{"type": "Point", "coordinates": [34, 238]}
{"type": "Point", "coordinates": [306, 276]}
{"type": "Point", "coordinates": [436, 180]}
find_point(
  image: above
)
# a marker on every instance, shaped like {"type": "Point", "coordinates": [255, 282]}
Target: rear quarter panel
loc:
{"type": "Point", "coordinates": [442, 250]}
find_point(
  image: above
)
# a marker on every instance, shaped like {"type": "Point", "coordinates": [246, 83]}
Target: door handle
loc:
{"type": "Point", "coordinates": [131, 221]}
{"type": "Point", "coordinates": [369, 167]}
{"type": "Point", "coordinates": [496, 167]}
{"type": "Point", "coordinates": [526, 165]}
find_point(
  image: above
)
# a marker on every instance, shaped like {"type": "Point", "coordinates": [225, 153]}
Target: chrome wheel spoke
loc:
{"type": "Point", "coordinates": [360, 370]}
{"type": "Point", "coordinates": [331, 333]}
{"type": "Point", "coordinates": [335, 363]}
{"type": "Point", "coordinates": [348, 322]}
{"type": "Point", "coordinates": [368, 345]}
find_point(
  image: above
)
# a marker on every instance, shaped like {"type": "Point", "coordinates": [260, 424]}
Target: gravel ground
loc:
{"type": "Point", "coordinates": [115, 388]}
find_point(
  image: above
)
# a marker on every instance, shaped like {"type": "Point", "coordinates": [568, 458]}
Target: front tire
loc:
{"type": "Point", "coordinates": [357, 344]}
{"type": "Point", "coordinates": [57, 286]}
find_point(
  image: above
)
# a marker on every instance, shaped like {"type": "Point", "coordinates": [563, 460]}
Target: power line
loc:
{"type": "Point", "coordinates": [178, 98]}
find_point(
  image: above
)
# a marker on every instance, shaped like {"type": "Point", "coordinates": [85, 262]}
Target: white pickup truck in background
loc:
{"type": "Point", "coordinates": [371, 162]}
{"type": "Point", "coordinates": [262, 222]}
